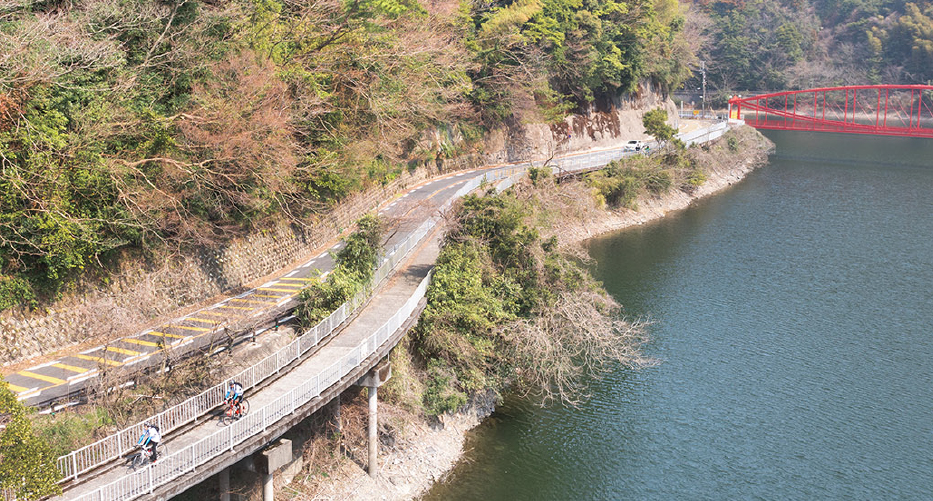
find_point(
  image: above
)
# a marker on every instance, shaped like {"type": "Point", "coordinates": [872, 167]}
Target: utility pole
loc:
{"type": "Point", "coordinates": [703, 71]}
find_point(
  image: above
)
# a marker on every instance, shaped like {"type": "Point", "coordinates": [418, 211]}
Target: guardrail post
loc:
{"type": "Point", "coordinates": [230, 434]}
{"type": "Point", "coordinates": [74, 464]}
{"type": "Point", "coordinates": [149, 470]}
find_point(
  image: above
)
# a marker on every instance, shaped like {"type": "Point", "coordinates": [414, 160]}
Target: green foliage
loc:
{"type": "Point", "coordinates": [127, 124]}
{"type": "Point", "coordinates": [908, 40]}
{"type": "Point", "coordinates": [59, 207]}
{"type": "Point", "coordinates": [360, 254]}
{"type": "Point", "coordinates": [68, 431]}
{"type": "Point", "coordinates": [770, 45]}
{"type": "Point", "coordinates": [538, 174]}
{"type": "Point", "coordinates": [622, 182]}
{"type": "Point", "coordinates": [16, 291]}
{"type": "Point", "coordinates": [441, 395]}
{"type": "Point", "coordinates": [592, 49]}
{"type": "Point", "coordinates": [696, 178]}
{"type": "Point", "coordinates": [355, 264]}
{"type": "Point", "coordinates": [494, 270]}
{"type": "Point", "coordinates": [655, 122]}
{"type": "Point", "coordinates": [27, 464]}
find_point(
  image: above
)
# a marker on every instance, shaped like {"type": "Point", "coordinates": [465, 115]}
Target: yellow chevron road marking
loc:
{"type": "Point", "coordinates": [299, 278]}
{"type": "Point", "coordinates": [123, 351]}
{"type": "Point", "coordinates": [217, 314]}
{"type": "Point", "coordinates": [268, 295]}
{"type": "Point", "coordinates": [165, 334]}
{"type": "Point", "coordinates": [205, 320]}
{"type": "Point", "coordinates": [98, 359]}
{"type": "Point", "coordinates": [274, 290]}
{"type": "Point", "coordinates": [71, 368]}
{"type": "Point", "coordinates": [140, 341]}
{"type": "Point", "coordinates": [199, 329]}
{"type": "Point", "coordinates": [16, 389]}
{"type": "Point", "coordinates": [259, 301]}
{"type": "Point", "coordinates": [42, 377]}
{"type": "Point", "coordinates": [236, 307]}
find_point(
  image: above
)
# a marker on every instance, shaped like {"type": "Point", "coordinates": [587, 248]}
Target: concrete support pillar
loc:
{"type": "Point", "coordinates": [224, 478]}
{"type": "Point", "coordinates": [268, 490]}
{"type": "Point", "coordinates": [372, 381]}
{"type": "Point", "coordinates": [373, 436]}
{"type": "Point", "coordinates": [273, 457]}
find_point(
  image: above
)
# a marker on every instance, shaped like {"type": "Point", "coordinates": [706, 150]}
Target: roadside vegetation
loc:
{"type": "Point", "coordinates": [355, 264]}
{"type": "Point", "coordinates": [508, 310]}
{"type": "Point", "coordinates": [27, 463]}
{"type": "Point", "coordinates": [133, 129]}
{"type": "Point", "coordinates": [512, 307]}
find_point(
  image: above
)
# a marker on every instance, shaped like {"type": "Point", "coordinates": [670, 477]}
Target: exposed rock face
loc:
{"type": "Point", "coordinates": [602, 124]}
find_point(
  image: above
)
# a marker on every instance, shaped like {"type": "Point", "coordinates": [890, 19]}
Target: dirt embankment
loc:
{"type": "Point", "coordinates": [423, 453]}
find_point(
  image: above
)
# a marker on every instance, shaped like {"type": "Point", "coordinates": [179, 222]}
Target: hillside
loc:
{"type": "Point", "coordinates": [799, 44]}
{"type": "Point", "coordinates": [134, 130]}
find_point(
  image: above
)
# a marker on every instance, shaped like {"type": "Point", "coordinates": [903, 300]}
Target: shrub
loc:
{"type": "Point", "coordinates": [16, 291]}
{"type": "Point", "coordinates": [27, 463]}
{"type": "Point", "coordinates": [354, 269]}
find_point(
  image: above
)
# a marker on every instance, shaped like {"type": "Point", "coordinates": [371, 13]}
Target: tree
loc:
{"type": "Point", "coordinates": [27, 464]}
{"type": "Point", "coordinates": [655, 122]}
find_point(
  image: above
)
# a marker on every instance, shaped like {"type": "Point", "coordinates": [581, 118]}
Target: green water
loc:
{"type": "Point", "coordinates": [792, 315]}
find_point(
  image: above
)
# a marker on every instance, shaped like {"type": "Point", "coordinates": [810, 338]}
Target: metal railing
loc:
{"type": "Point", "coordinates": [114, 446]}
{"type": "Point", "coordinates": [710, 133]}
{"type": "Point", "coordinates": [145, 481]}
{"type": "Point", "coordinates": [109, 448]}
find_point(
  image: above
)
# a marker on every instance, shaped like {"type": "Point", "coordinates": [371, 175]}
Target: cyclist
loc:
{"type": "Point", "coordinates": [151, 435]}
{"type": "Point", "coordinates": [235, 396]}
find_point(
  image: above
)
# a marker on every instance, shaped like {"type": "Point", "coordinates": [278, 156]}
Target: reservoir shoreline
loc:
{"type": "Point", "coordinates": [425, 452]}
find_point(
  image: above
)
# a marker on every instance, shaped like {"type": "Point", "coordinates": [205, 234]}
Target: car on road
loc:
{"type": "Point", "coordinates": [634, 145]}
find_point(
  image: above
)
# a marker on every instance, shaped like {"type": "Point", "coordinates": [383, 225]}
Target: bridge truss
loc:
{"type": "Point", "coordinates": [891, 110]}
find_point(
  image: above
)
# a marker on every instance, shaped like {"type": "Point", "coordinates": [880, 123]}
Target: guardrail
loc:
{"type": "Point", "coordinates": [710, 133]}
{"type": "Point", "coordinates": [107, 449]}
{"type": "Point", "coordinates": [145, 481]}
{"type": "Point", "coordinates": [114, 446]}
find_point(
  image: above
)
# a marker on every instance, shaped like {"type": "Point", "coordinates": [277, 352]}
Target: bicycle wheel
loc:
{"type": "Point", "coordinates": [244, 407]}
{"type": "Point", "coordinates": [227, 419]}
{"type": "Point", "coordinates": [139, 460]}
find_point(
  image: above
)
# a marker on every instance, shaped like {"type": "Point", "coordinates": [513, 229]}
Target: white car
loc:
{"type": "Point", "coordinates": [634, 145]}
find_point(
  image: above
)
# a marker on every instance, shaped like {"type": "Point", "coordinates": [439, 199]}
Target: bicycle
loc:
{"type": "Point", "coordinates": [144, 456]}
{"type": "Point", "coordinates": [230, 415]}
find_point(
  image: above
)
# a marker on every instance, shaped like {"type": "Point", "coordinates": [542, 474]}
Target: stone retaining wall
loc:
{"type": "Point", "coordinates": [141, 296]}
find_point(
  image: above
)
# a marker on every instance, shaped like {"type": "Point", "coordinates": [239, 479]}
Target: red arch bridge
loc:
{"type": "Point", "coordinates": [891, 110]}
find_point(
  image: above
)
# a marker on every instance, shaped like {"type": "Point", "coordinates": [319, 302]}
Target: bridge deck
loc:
{"type": "Point", "coordinates": [382, 307]}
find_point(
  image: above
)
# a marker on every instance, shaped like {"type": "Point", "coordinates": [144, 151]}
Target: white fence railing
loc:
{"type": "Point", "coordinates": [114, 446]}
{"type": "Point", "coordinates": [706, 134]}
{"type": "Point", "coordinates": [143, 481]}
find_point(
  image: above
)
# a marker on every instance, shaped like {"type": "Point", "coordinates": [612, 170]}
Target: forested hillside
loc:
{"type": "Point", "coordinates": [136, 127]}
{"type": "Point", "coordinates": [787, 44]}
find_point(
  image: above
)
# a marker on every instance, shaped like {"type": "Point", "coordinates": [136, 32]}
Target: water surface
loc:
{"type": "Point", "coordinates": [793, 318]}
